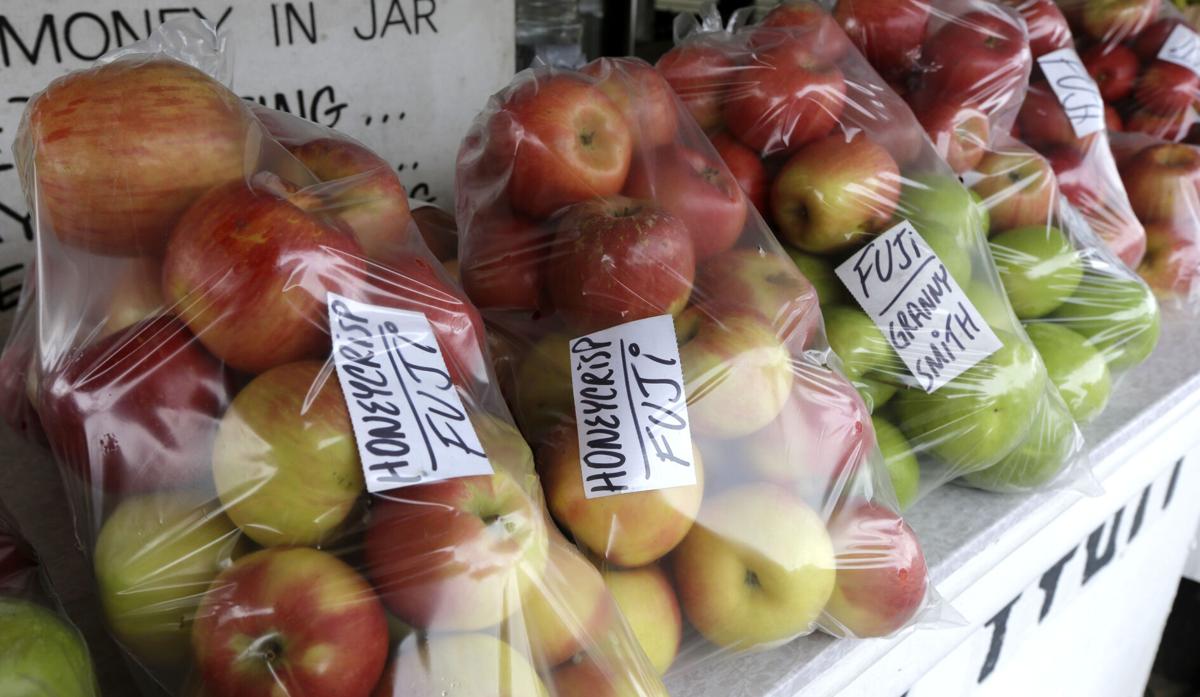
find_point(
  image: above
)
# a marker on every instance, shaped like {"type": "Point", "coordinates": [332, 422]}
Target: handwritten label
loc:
{"type": "Point", "coordinates": [631, 409]}
{"type": "Point", "coordinates": [1076, 90]}
{"type": "Point", "coordinates": [918, 306]}
{"type": "Point", "coordinates": [1182, 47]}
{"type": "Point", "coordinates": [408, 420]}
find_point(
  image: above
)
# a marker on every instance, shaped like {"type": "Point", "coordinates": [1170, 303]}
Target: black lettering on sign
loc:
{"type": "Point", "coordinates": [1140, 514]}
{"type": "Point", "coordinates": [418, 13]}
{"type": "Point", "coordinates": [659, 396]}
{"type": "Point", "coordinates": [882, 259]}
{"type": "Point", "coordinates": [322, 107]}
{"type": "Point", "coordinates": [25, 220]}
{"type": "Point", "coordinates": [47, 30]}
{"type": "Point", "coordinates": [1049, 582]}
{"type": "Point", "coordinates": [10, 295]}
{"type": "Point", "coordinates": [603, 459]}
{"type": "Point", "coordinates": [1171, 485]}
{"type": "Point", "coordinates": [293, 21]}
{"type": "Point", "coordinates": [1095, 559]}
{"type": "Point", "coordinates": [999, 625]}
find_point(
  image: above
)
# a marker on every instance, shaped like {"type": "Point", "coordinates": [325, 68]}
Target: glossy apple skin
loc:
{"type": "Point", "coordinates": [1172, 262]}
{"type": "Point", "coordinates": [450, 555]}
{"type": "Point", "coordinates": [977, 56]}
{"type": "Point", "coordinates": [1171, 127]}
{"type": "Point", "coordinates": [960, 134]}
{"type": "Point", "coordinates": [502, 268]}
{"type": "Point", "coordinates": [763, 283]}
{"type": "Point", "coordinates": [643, 96]}
{"type": "Point", "coordinates": [1165, 88]}
{"type": "Point", "coordinates": [1042, 122]}
{"type": "Point", "coordinates": [756, 569]}
{"type": "Point", "coordinates": [295, 620]}
{"type": "Point", "coordinates": [565, 607]}
{"type": "Point", "coordinates": [648, 603]}
{"type": "Point", "coordinates": [1048, 28]}
{"type": "Point", "coordinates": [566, 142]}
{"type": "Point", "coordinates": [1114, 68]}
{"type": "Point", "coordinates": [786, 97]}
{"type": "Point", "coordinates": [1163, 182]}
{"type": "Point", "coordinates": [808, 18]}
{"type": "Point", "coordinates": [459, 665]}
{"type": "Point", "coordinates": [746, 168]}
{"type": "Point", "coordinates": [699, 74]}
{"type": "Point", "coordinates": [889, 34]}
{"type": "Point", "coordinates": [284, 462]}
{"type": "Point", "coordinates": [1149, 42]}
{"type": "Point", "coordinates": [367, 196]}
{"type": "Point", "coordinates": [694, 188]}
{"type": "Point", "coordinates": [1113, 21]}
{"type": "Point", "coordinates": [629, 529]}
{"type": "Point", "coordinates": [881, 573]}
{"type": "Point", "coordinates": [119, 191]}
{"type": "Point", "coordinates": [1111, 218]}
{"type": "Point", "coordinates": [834, 193]}
{"type": "Point", "coordinates": [248, 272]}
{"type": "Point", "coordinates": [615, 260]}
{"type": "Point", "coordinates": [138, 410]}
{"type": "Point", "coordinates": [1017, 187]}
{"type": "Point", "coordinates": [416, 283]}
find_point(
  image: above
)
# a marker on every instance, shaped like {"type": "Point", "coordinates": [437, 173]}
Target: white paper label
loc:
{"type": "Point", "coordinates": [919, 307]}
{"type": "Point", "coordinates": [631, 410]}
{"type": "Point", "coordinates": [1182, 47]}
{"type": "Point", "coordinates": [1076, 90]}
{"type": "Point", "coordinates": [408, 420]}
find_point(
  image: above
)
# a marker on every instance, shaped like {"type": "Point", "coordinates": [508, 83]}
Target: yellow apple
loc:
{"type": "Point", "coordinates": [589, 676]}
{"type": "Point", "coordinates": [564, 606]}
{"type": "Point", "coordinates": [648, 603]}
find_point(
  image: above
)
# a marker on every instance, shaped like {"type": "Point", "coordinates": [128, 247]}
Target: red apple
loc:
{"type": "Point", "coordinates": [586, 675]}
{"type": "Point", "coordinates": [1150, 41]}
{"type": "Point", "coordinates": [1171, 127]}
{"type": "Point", "coordinates": [959, 133]}
{"type": "Point", "coordinates": [136, 411]}
{"type": "Point", "coordinates": [1166, 88]}
{"type": "Point", "coordinates": [19, 381]}
{"type": "Point", "coordinates": [746, 167]}
{"type": "Point", "coordinates": [1113, 67]}
{"type": "Point", "coordinates": [1018, 188]}
{"type": "Point", "coordinates": [834, 193]}
{"type": "Point", "coordinates": [438, 230]}
{"type": "Point", "coordinates": [1048, 29]}
{"type": "Point", "coordinates": [697, 190]}
{"type": "Point", "coordinates": [564, 608]}
{"type": "Point", "coordinates": [1172, 262]}
{"type": "Point", "coordinates": [1111, 220]}
{"type": "Point", "coordinates": [364, 192]}
{"type": "Point", "coordinates": [786, 97]}
{"type": "Point", "coordinates": [1114, 21]}
{"type": "Point", "coordinates": [881, 573]}
{"type": "Point", "coordinates": [450, 555]}
{"type": "Point", "coordinates": [764, 283]}
{"type": "Point", "coordinates": [807, 18]}
{"type": "Point", "coordinates": [1162, 182]}
{"type": "Point", "coordinates": [642, 95]}
{"type": "Point", "coordinates": [1042, 122]}
{"type": "Point", "coordinates": [290, 621]}
{"type": "Point", "coordinates": [889, 34]}
{"type": "Point", "coordinates": [1112, 120]}
{"type": "Point", "coordinates": [699, 73]}
{"type": "Point", "coordinates": [977, 57]}
{"type": "Point", "coordinates": [121, 150]}
{"type": "Point", "coordinates": [572, 143]}
{"type": "Point", "coordinates": [502, 267]}
{"type": "Point", "coordinates": [614, 260]}
{"type": "Point", "coordinates": [248, 271]}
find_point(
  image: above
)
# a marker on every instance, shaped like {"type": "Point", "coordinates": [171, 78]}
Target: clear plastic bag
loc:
{"type": "Point", "coordinates": [217, 438]}
{"type": "Point", "coordinates": [41, 652]}
{"type": "Point", "coordinates": [599, 228]}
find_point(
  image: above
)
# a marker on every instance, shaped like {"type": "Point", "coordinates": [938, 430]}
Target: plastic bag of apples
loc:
{"type": "Point", "coordinates": [276, 416]}
{"type": "Point", "coordinates": [841, 186]}
{"type": "Point", "coordinates": [41, 652]}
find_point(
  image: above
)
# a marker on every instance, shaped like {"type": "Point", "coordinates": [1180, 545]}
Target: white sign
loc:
{"type": "Point", "coordinates": [408, 420]}
{"type": "Point", "coordinates": [631, 410]}
{"type": "Point", "coordinates": [1182, 47]}
{"type": "Point", "coordinates": [916, 303]}
{"type": "Point", "coordinates": [1076, 90]}
{"type": "Point", "coordinates": [404, 76]}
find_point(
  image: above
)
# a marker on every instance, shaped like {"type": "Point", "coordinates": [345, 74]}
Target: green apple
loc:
{"type": "Point", "coordinates": [1119, 316]}
{"type": "Point", "coordinates": [542, 390]}
{"type": "Point", "coordinates": [1039, 458]}
{"type": "Point", "coordinates": [1039, 268]}
{"type": "Point", "coordinates": [859, 343]}
{"type": "Point", "coordinates": [948, 217]}
{"type": "Point", "coordinates": [977, 418]}
{"type": "Point", "coordinates": [874, 393]}
{"type": "Point", "coordinates": [820, 274]}
{"type": "Point", "coordinates": [155, 558]}
{"type": "Point", "coordinates": [1075, 367]}
{"type": "Point", "coordinates": [992, 304]}
{"type": "Point", "coordinates": [41, 655]}
{"type": "Point", "coordinates": [900, 461]}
